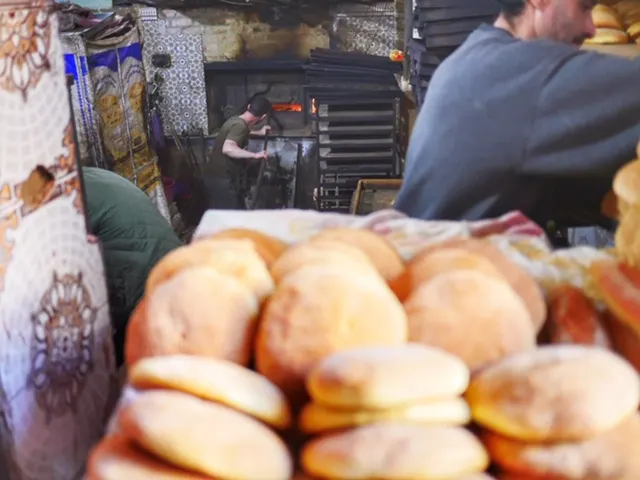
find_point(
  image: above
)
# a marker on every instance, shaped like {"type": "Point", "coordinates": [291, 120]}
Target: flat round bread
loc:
{"type": "Point", "coordinates": [608, 36]}
{"type": "Point", "coordinates": [614, 454]}
{"type": "Point", "coordinates": [316, 418]}
{"type": "Point", "coordinates": [472, 315]}
{"type": "Point", "coordinates": [117, 458]}
{"type": "Point", "coordinates": [319, 311]}
{"type": "Point", "coordinates": [555, 393]}
{"type": "Point", "coordinates": [381, 253]}
{"type": "Point", "coordinates": [216, 380]}
{"type": "Point", "coordinates": [321, 252]}
{"type": "Point", "coordinates": [235, 258]}
{"type": "Point", "coordinates": [395, 451]}
{"type": "Point", "coordinates": [425, 266]}
{"type": "Point", "coordinates": [197, 312]}
{"type": "Point", "coordinates": [205, 437]}
{"type": "Point", "coordinates": [384, 377]}
{"type": "Point", "coordinates": [520, 280]}
{"type": "Point", "coordinates": [268, 247]}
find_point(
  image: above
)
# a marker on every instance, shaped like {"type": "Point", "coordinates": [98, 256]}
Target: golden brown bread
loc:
{"type": "Point", "coordinates": [608, 36]}
{"type": "Point", "coordinates": [614, 454]}
{"type": "Point", "coordinates": [268, 247]}
{"type": "Point", "coordinates": [383, 377]}
{"type": "Point", "coordinates": [430, 263]}
{"type": "Point", "coordinates": [197, 312]}
{"type": "Point", "coordinates": [624, 340]}
{"type": "Point", "coordinates": [321, 252]}
{"type": "Point", "coordinates": [619, 287]}
{"type": "Point", "coordinates": [523, 283]}
{"type": "Point", "coordinates": [555, 393]}
{"type": "Point", "coordinates": [235, 258]}
{"type": "Point", "coordinates": [117, 458]}
{"type": "Point", "coordinates": [381, 253]}
{"type": "Point", "coordinates": [205, 437]}
{"type": "Point", "coordinates": [472, 315]}
{"type": "Point", "coordinates": [319, 311]}
{"type": "Point", "coordinates": [216, 380]}
{"type": "Point", "coordinates": [395, 451]}
{"type": "Point", "coordinates": [606, 17]}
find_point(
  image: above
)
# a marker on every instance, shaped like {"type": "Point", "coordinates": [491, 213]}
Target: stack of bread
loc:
{"type": "Point", "coordinates": [610, 28]}
{"type": "Point", "coordinates": [196, 418]}
{"type": "Point", "coordinates": [629, 11]}
{"type": "Point", "coordinates": [375, 420]}
{"type": "Point", "coordinates": [561, 412]}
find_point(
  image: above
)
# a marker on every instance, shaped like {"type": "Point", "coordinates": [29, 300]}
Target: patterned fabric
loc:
{"type": "Point", "coordinates": [58, 382]}
{"type": "Point", "coordinates": [86, 121]}
{"type": "Point", "coordinates": [119, 84]}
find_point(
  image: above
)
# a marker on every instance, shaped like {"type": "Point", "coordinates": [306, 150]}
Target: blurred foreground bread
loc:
{"type": "Point", "coordinates": [395, 451]}
{"type": "Point", "coordinates": [215, 380]}
{"type": "Point", "coordinates": [197, 312]}
{"type": "Point", "coordinates": [555, 393]}
{"type": "Point", "coordinates": [612, 455]}
{"type": "Point", "coordinates": [626, 186]}
{"type": "Point", "coordinates": [316, 418]}
{"type": "Point", "coordinates": [470, 314]}
{"type": "Point", "coordinates": [205, 437]}
{"type": "Point", "coordinates": [381, 253]}
{"type": "Point", "coordinates": [235, 258]}
{"type": "Point", "coordinates": [432, 262]}
{"type": "Point", "coordinates": [118, 458]}
{"type": "Point", "coordinates": [608, 36]}
{"type": "Point", "coordinates": [321, 252]}
{"type": "Point", "coordinates": [319, 311]}
{"type": "Point", "coordinates": [269, 248]}
{"type": "Point", "coordinates": [573, 318]}
{"type": "Point", "coordinates": [382, 377]}
{"type": "Point", "coordinates": [519, 279]}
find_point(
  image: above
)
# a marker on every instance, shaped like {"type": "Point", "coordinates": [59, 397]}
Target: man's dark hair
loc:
{"type": "Point", "coordinates": [259, 106]}
{"type": "Point", "coordinates": [512, 8]}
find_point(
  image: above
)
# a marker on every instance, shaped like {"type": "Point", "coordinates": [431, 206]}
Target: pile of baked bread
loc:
{"type": "Point", "coordinates": [334, 358]}
{"type": "Point", "coordinates": [617, 22]}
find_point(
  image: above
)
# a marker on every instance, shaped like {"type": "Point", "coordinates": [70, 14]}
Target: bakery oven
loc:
{"type": "Point", "coordinates": [231, 86]}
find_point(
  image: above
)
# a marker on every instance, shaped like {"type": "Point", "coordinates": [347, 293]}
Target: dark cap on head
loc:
{"type": "Point", "coordinates": [259, 106]}
{"type": "Point", "coordinates": [512, 8]}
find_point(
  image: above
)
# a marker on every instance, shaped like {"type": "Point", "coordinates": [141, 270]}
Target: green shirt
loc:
{"type": "Point", "coordinates": [235, 129]}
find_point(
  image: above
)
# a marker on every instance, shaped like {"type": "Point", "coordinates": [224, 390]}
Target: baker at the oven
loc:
{"type": "Point", "coordinates": [230, 155]}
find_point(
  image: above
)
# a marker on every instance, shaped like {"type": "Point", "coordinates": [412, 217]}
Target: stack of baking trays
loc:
{"type": "Point", "coordinates": [441, 26]}
{"type": "Point", "coordinates": [355, 110]}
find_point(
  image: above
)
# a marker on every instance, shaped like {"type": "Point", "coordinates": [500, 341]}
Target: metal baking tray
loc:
{"type": "Point", "coordinates": [372, 195]}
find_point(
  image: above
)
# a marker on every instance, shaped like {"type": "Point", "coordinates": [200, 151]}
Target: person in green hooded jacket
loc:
{"type": "Point", "coordinates": [134, 236]}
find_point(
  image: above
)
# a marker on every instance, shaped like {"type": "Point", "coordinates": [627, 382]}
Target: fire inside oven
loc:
{"type": "Point", "coordinates": [230, 89]}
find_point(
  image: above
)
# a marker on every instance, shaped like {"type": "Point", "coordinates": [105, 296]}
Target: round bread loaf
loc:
{"type": "Point", "coordinates": [606, 17]}
{"type": "Point", "coordinates": [634, 29]}
{"type": "Point", "coordinates": [320, 252]}
{"type": "Point", "coordinates": [425, 266]}
{"type": "Point", "coordinates": [614, 454]}
{"type": "Point", "coordinates": [216, 380]}
{"type": "Point", "coordinates": [117, 458]}
{"type": "Point", "coordinates": [384, 377]}
{"type": "Point", "coordinates": [235, 258]}
{"type": "Point", "coordinates": [624, 339]}
{"type": "Point", "coordinates": [554, 394]}
{"type": "Point", "coordinates": [521, 282]}
{"type": "Point", "coordinates": [619, 285]}
{"type": "Point", "coordinates": [626, 183]}
{"type": "Point", "coordinates": [608, 36]}
{"type": "Point", "coordinates": [472, 315]}
{"type": "Point", "coordinates": [205, 437]}
{"type": "Point", "coordinates": [196, 312]}
{"type": "Point", "coordinates": [319, 311]}
{"type": "Point", "coordinates": [269, 248]}
{"type": "Point", "coordinates": [381, 253]}
{"type": "Point", "coordinates": [316, 418]}
{"type": "Point", "coordinates": [395, 451]}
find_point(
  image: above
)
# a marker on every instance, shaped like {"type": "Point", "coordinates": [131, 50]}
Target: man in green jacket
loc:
{"type": "Point", "coordinates": [134, 236]}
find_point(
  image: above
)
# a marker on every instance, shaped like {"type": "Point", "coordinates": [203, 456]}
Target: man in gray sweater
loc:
{"type": "Point", "coordinates": [518, 118]}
